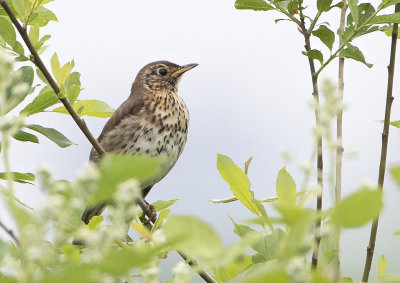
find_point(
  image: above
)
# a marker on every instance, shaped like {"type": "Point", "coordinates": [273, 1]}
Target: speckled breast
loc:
{"type": "Point", "coordinates": [163, 133]}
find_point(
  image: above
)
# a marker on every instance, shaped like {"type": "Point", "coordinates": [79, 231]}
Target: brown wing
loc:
{"type": "Point", "coordinates": [131, 107]}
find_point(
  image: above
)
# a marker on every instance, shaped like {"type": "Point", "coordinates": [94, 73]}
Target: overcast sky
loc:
{"type": "Point", "coordinates": [249, 96]}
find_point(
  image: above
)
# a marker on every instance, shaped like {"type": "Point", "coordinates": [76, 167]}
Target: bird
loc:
{"type": "Point", "coordinates": [153, 121]}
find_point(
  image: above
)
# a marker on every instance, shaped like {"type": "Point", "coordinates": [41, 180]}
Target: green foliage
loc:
{"type": "Point", "coordinates": [286, 188]}
{"type": "Point", "coordinates": [192, 236]}
{"type": "Point", "coordinates": [352, 52]}
{"type": "Point", "coordinates": [19, 87]}
{"type": "Point", "coordinates": [116, 169]}
{"type": "Point", "coordinates": [24, 178]}
{"type": "Point", "coordinates": [95, 108]}
{"type": "Point", "coordinates": [395, 172]}
{"type": "Point", "coordinates": [256, 5]}
{"type": "Point", "coordinates": [52, 135]}
{"type": "Point", "coordinates": [358, 209]}
{"type": "Point", "coordinates": [315, 54]}
{"type": "Point", "coordinates": [44, 100]}
{"type": "Point", "coordinates": [7, 31]}
{"type": "Point", "coordinates": [25, 137]}
{"type": "Point", "coordinates": [162, 204]}
{"type": "Point", "coordinates": [325, 35]}
{"type": "Point", "coordinates": [238, 182]}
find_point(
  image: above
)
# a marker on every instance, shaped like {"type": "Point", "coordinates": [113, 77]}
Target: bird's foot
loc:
{"type": "Point", "coordinates": [151, 213]}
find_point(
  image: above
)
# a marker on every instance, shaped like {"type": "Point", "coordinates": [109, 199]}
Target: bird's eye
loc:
{"type": "Point", "coordinates": [162, 72]}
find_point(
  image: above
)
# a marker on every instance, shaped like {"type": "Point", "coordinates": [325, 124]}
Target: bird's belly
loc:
{"type": "Point", "coordinates": [168, 146]}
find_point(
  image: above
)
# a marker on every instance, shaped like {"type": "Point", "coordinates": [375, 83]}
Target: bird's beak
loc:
{"type": "Point", "coordinates": [183, 69]}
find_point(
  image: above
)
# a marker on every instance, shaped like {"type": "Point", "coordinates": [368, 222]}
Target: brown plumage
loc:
{"type": "Point", "coordinates": [153, 121]}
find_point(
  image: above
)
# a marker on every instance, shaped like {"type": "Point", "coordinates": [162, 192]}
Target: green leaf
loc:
{"type": "Point", "coordinates": [352, 52]}
{"type": "Point", "coordinates": [7, 31]}
{"type": "Point", "coordinates": [354, 10]}
{"type": "Point", "coordinates": [395, 123]}
{"type": "Point", "coordinates": [256, 5]}
{"type": "Point", "coordinates": [94, 108]}
{"type": "Point", "coordinates": [34, 37]}
{"type": "Point", "coordinates": [118, 262]}
{"type": "Point", "coordinates": [95, 221]}
{"type": "Point", "coordinates": [270, 272]}
{"type": "Point", "coordinates": [55, 66]}
{"type": "Point", "coordinates": [20, 86]}
{"type": "Point", "coordinates": [160, 219]}
{"type": "Point", "coordinates": [386, 19]}
{"type": "Point", "coordinates": [324, 5]}
{"type": "Point", "coordinates": [65, 72]}
{"type": "Point", "coordinates": [6, 279]}
{"type": "Point", "coordinates": [233, 268]}
{"type": "Point", "coordinates": [381, 266]}
{"type": "Point", "coordinates": [358, 209]}
{"type": "Point", "coordinates": [73, 86]}
{"type": "Point", "coordinates": [45, 99]}
{"type": "Point", "coordinates": [192, 236]}
{"type": "Point", "coordinates": [162, 204]}
{"type": "Point", "coordinates": [42, 16]}
{"type": "Point", "coordinates": [22, 7]}
{"type": "Point", "coordinates": [271, 244]}
{"type": "Point", "coordinates": [286, 188]}
{"type": "Point", "coordinates": [315, 54]}
{"type": "Point", "coordinates": [25, 137]}
{"type": "Point", "coordinates": [388, 3]}
{"type": "Point", "coordinates": [395, 172]}
{"type": "Point", "coordinates": [325, 35]}
{"type": "Point", "coordinates": [52, 135]}
{"type": "Point", "coordinates": [238, 181]}
{"type": "Point", "coordinates": [71, 252]}
{"type": "Point", "coordinates": [18, 48]}
{"type": "Point", "coordinates": [19, 177]}
{"type": "Point", "coordinates": [115, 169]}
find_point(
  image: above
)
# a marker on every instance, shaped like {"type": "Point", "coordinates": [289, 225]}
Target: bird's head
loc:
{"type": "Point", "coordinates": [162, 75]}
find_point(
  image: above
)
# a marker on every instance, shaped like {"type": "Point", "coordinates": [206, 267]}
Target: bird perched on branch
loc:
{"type": "Point", "coordinates": [152, 121]}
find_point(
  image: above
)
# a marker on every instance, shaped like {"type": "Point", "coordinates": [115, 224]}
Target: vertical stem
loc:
{"type": "Point", "coordinates": [385, 140]}
{"type": "Point", "coordinates": [339, 137]}
{"type": "Point", "coordinates": [314, 78]}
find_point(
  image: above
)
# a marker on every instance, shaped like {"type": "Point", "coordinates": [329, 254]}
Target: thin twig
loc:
{"type": "Point", "coordinates": [384, 148]}
{"type": "Point", "coordinates": [314, 78]}
{"type": "Point", "coordinates": [9, 232]}
{"type": "Point", "coordinates": [192, 263]}
{"type": "Point", "coordinates": [39, 63]}
{"type": "Point", "coordinates": [339, 137]}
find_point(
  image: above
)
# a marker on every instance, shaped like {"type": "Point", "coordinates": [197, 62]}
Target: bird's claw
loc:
{"type": "Point", "coordinates": [151, 213]}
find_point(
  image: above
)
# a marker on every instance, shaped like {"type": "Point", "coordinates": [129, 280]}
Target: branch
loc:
{"type": "Point", "coordinates": [314, 78]}
{"type": "Point", "coordinates": [39, 63]}
{"type": "Point", "coordinates": [193, 263]}
{"type": "Point", "coordinates": [10, 233]}
{"type": "Point", "coordinates": [385, 140]}
{"type": "Point", "coordinates": [339, 138]}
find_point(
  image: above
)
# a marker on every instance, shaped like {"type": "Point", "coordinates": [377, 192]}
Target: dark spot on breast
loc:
{"type": "Point", "coordinates": [161, 130]}
{"type": "Point", "coordinates": [153, 119]}
{"type": "Point", "coordinates": [149, 139]}
{"type": "Point", "coordinates": [138, 149]}
{"type": "Point", "coordinates": [147, 150]}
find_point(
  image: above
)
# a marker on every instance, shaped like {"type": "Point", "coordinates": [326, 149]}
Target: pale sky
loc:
{"type": "Point", "coordinates": [249, 96]}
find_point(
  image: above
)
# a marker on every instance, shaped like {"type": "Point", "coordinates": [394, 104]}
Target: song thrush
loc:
{"type": "Point", "coordinates": [152, 121]}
